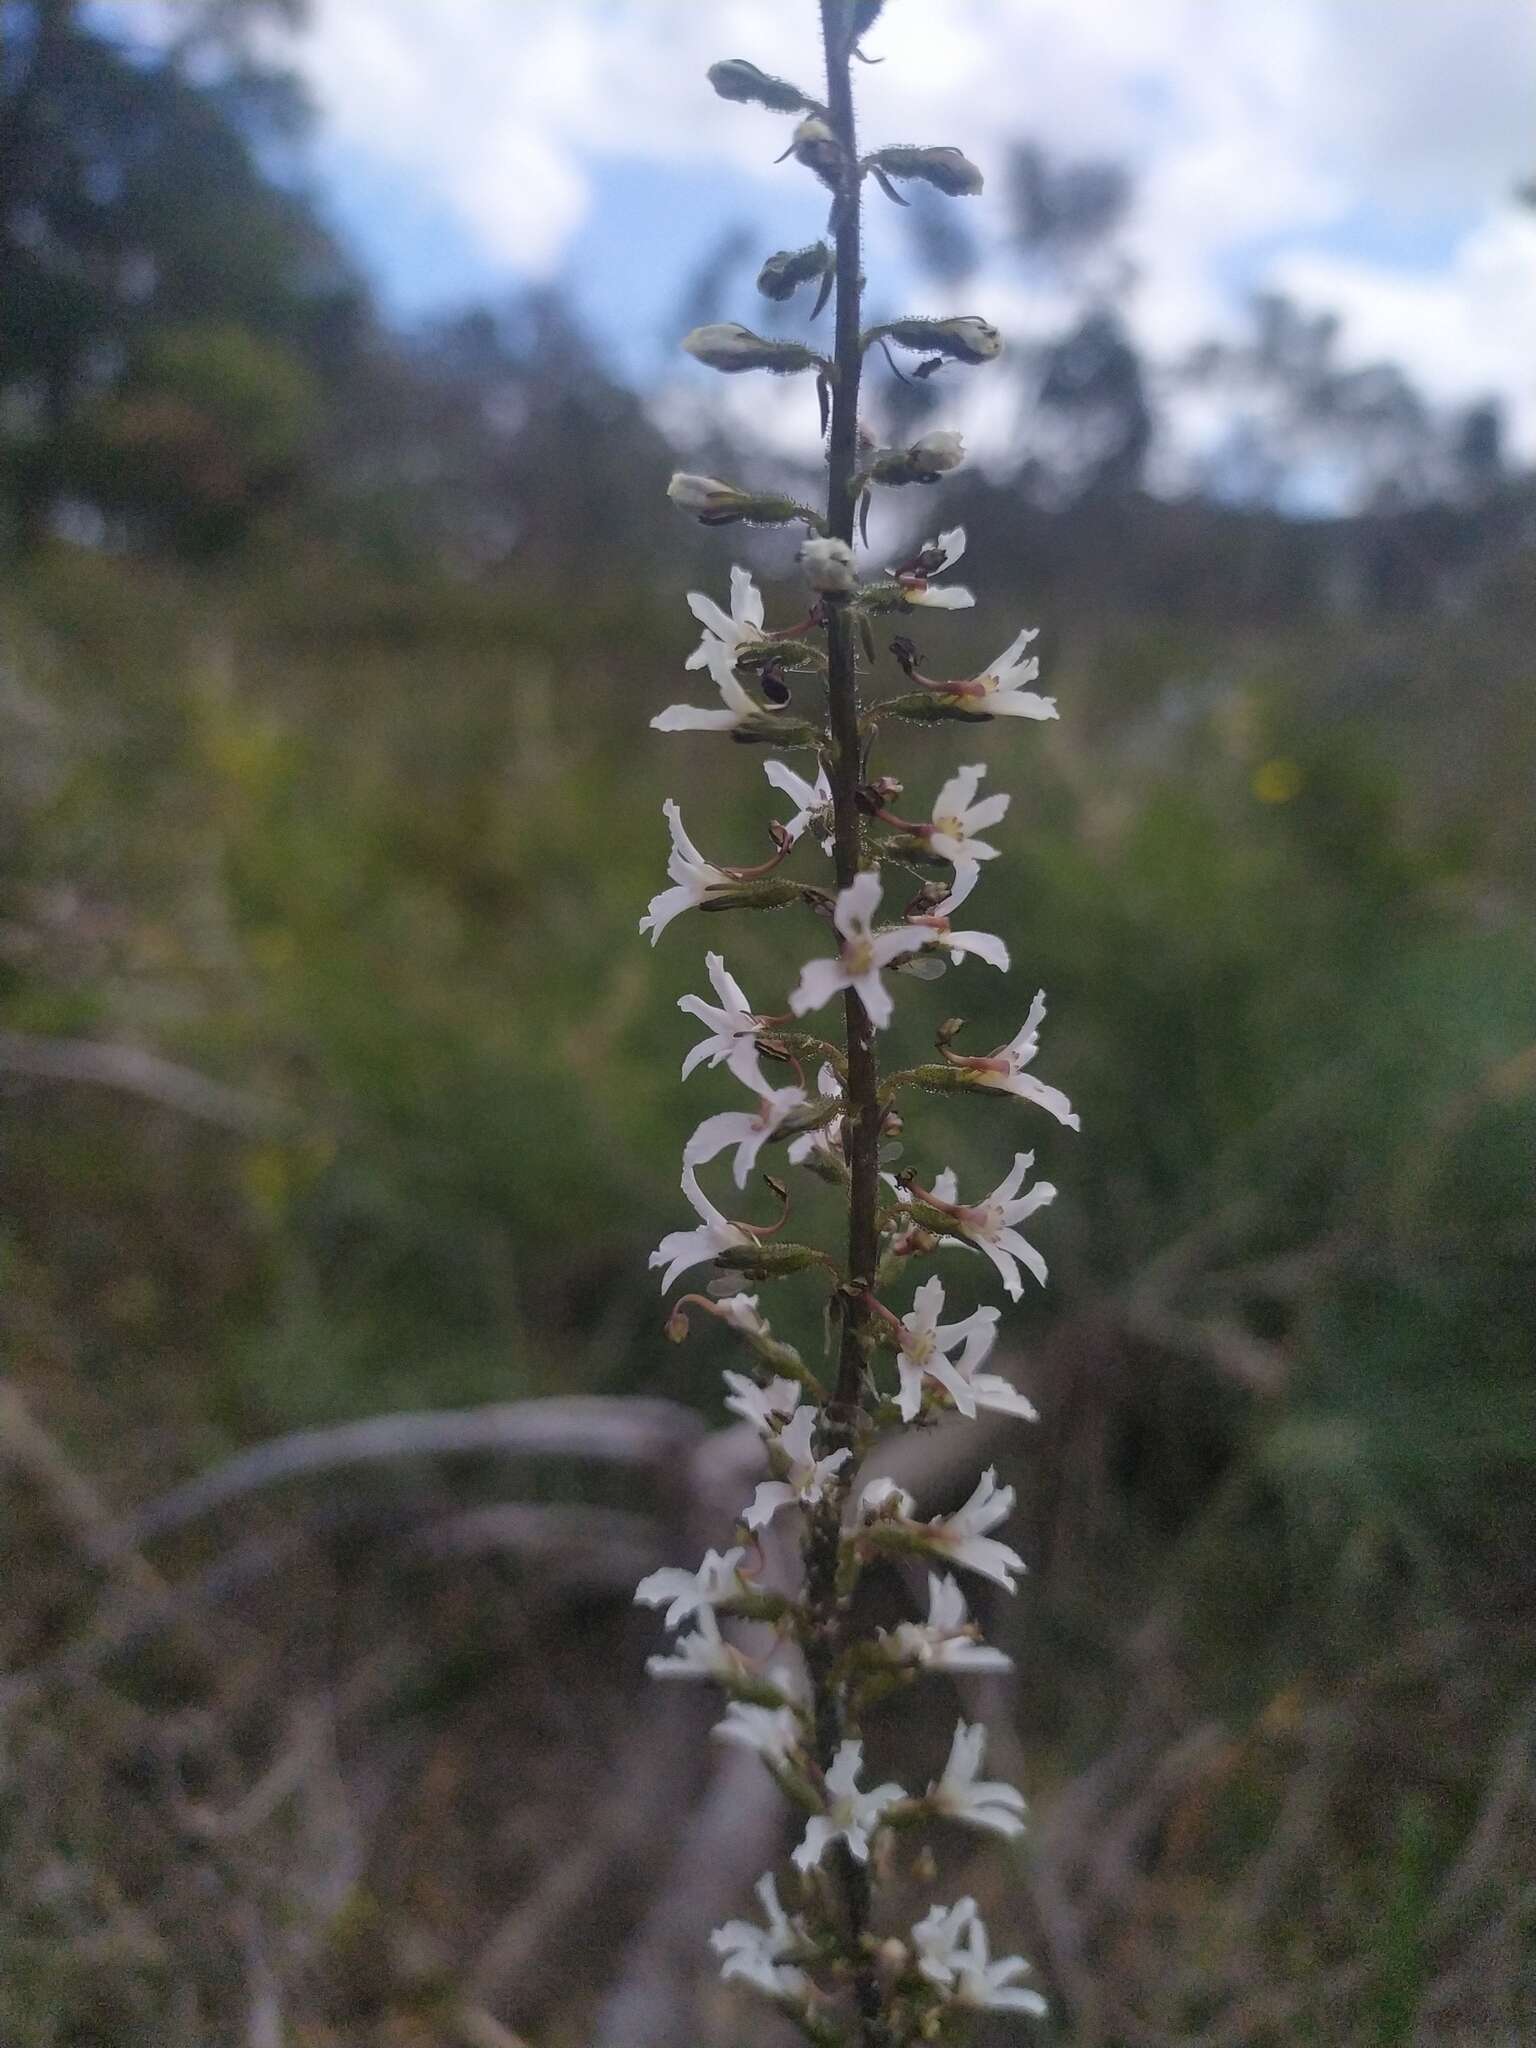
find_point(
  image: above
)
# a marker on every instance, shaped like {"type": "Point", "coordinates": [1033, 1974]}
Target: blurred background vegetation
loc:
{"type": "Point", "coordinates": [334, 1081]}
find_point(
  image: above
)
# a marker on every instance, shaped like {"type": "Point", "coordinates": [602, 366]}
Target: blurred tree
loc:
{"type": "Point", "coordinates": [169, 304]}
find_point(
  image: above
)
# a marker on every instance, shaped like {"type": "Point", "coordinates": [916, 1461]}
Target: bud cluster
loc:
{"type": "Point", "coordinates": [824, 1951]}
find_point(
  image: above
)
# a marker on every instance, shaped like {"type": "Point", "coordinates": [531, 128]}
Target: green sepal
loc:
{"type": "Point", "coordinates": [777, 732]}
{"type": "Point", "coordinates": [757, 895]}
{"type": "Point", "coordinates": [756, 654]}
{"type": "Point", "coordinates": [769, 1261]}
{"type": "Point", "coordinates": [942, 1080]}
{"type": "Point", "coordinates": [735, 79]}
{"type": "Point", "coordinates": [931, 707]}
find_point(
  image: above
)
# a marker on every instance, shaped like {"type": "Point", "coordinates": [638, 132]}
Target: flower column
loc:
{"type": "Point", "coordinates": [823, 1957]}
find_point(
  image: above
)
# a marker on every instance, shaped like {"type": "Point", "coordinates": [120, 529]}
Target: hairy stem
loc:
{"type": "Point", "coordinates": [863, 1114]}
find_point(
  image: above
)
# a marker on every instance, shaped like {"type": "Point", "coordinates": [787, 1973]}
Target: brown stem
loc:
{"type": "Point", "coordinates": [863, 1114]}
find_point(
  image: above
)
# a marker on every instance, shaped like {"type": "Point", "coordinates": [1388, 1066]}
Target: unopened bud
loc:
{"type": "Point", "coordinates": [714, 503]}
{"type": "Point", "coordinates": [923, 463]}
{"type": "Point", "coordinates": [727, 345]}
{"type": "Point", "coordinates": [784, 273]}
{"type": "Point", "coordinates": [945, 167]}
{"type": "Point", "coordinates": [676, 1326]}
{"type": "Point", "coordinates": [816, 147]}
{"type": "Point", "coordinates": [735, 79]}
{"type": "Point", "coordinates": [828, 566]}
{"type": "Point", "coordinates": [964, 339]}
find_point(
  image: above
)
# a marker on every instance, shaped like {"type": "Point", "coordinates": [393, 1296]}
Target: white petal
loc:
{"type": "Point", "coordinates": [1050, 1099]}
{"type": "Point", "coordinates": [730, 1127]}
{"type": "Point", "coordinates": [959, 793]}
{"type": "Point", "coordinates": [980, 945]}
{"type": "Point", "coordinates": [1021, 704]}
{"type": "Point", "coordinates": [710, 616]}
{"type": "Point", "coordinates": [872, 993]}
{"type": "Point", "coordinates": [990, 811]}
{"type": "Point", "coordinates": [944, 597]}
{"type": "Point", "coordinates": [746, 599]}
{"type": "Point", "coordinates": [689, 718]}
{"type": "Point", "coordinates": [857, 904]}
{"type": "Point", "coordinates": [819, 982]}
{"type": "Point", "coordinates": [663, 908]}
{"type": "Point", "coordinates": [771, 1495]}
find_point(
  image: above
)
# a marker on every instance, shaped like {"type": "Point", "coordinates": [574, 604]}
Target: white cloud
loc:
{"type": "Point", "coordinates": [1256, 129]}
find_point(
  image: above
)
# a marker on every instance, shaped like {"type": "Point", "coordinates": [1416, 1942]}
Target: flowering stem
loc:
{"type": "Point", "coordinates": [863, 1112]}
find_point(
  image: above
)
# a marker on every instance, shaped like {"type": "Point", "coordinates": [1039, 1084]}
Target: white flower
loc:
{"type": "Point", "coordinates": [984, 945]}
{"type": "Point", "coordinates": [764, 1407]}
{"type": "Point", "coordinates": [940, 451]}
{"type": "Point", "coordinates": [700, 493]}
{"type": "Point", "coordinates": [1005, 1069]}
{"type": "Point", "coordinates": [882, 1497]}
{"type": "Point", "coordinates": [704, 1654]}
{"type": "Point", "coordinates": [961, 1538]}
{"type": "Point", "coordinates": [717, 1581]}
{"type": "Point", "coordinates": [814, 799]}
{"type": "Point", "coordinates": [1002, 685]}
{"type": "Point", "coordinates": [986, 1986]}
{"type": "Point", "coordinates": [851, 1814]}
{"type": "Point", "coordinates": [680, 1249]}
{"type": "Point", "coordinates": [825, 1143]}
{"type": "Point", "coordinates": [939, 1940]}
{"type": "Point", "coordinates": [828, 565]}
{"type": "Point", "coordinates": [932, 559]}
{"type": "Point", "coordinates": [864, 953]}
{"type": "Point", "coordinates": [773, 1732]}
{"type": "Point", "coordinates": [738, 709]}
{"type": "Point", "coordinates": [961, 1795]}
{"type": "Point", "coordinates": [748, 1130]}
{"type": "Point", "coordinates": [741, 1312]}
{"type": "Point", "coordinates": [807, 1477]}
{"type": "Point", "coordinates": [756, 1955]}
{"type": "Point", "coordinates": [691, 873]}
{"type": "Point", "coordinates": [732, 1026]}
{"type": "Point", "coordinates": [989, 1225]}
{"type": "Point", "coordinates": [946, 1641]}
{"type": "Point", "coordinates": [958, 818]}
{"type": "Point", "coordinates": [729, 632]}
{"type": "Point", "coordinates": [925, 1345]}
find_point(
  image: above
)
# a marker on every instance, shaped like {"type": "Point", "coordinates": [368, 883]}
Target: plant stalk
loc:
{"type": "Point", "coordinates": [862, 1115]}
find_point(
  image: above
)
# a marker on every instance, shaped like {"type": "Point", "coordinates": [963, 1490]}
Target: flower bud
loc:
{"type": "Point", "coordinates": [727, 345]}
{"type": "Point", "coordinates": [947, 168]}
{"type": "Point", "coordinates": [816, 147]}
{"type": "Point", "coordinates": [735, 79]}
{"type": "Point", "coordinates": [676, 1326]}
{"type": "Point", "coordinates": [714, 503]}
{"type": "Point", "coordinates": [964, 339]}
{"type": "Point", "coordinates": [828, 566]}
{"type": "Point", "coordinates": [784, 273]}
{"type": "Point", "coordinates": [923, 463]}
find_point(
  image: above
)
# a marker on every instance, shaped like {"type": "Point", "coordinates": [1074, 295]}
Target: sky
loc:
{"type": "Point", "coordinates": [1359, 155]}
